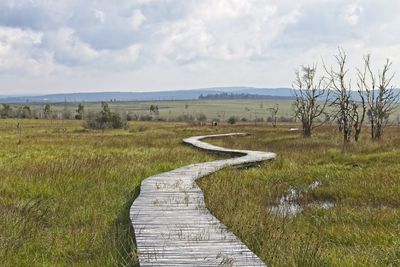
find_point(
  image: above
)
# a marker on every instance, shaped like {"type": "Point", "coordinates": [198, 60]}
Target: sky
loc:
{"type": "Point", "coordinates": [56, 46]}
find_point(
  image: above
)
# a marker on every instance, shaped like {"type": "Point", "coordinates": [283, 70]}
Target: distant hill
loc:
{"type": "Point", "coordinates": [245, 96]}
{"type": "Point", "coordinates": [146, 96]}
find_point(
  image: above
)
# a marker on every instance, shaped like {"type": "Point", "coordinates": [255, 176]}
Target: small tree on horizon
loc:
{"type": "Point", "coordinates": [80, 112]}
{"type": "Point", "coordinates": [274, 114]}
{"type": "Point", "coordinates": [47, 110]}
{"type": "Point", "coordinates": [154, 109]}
{"type": "Point", "coordinates": [6, 111]}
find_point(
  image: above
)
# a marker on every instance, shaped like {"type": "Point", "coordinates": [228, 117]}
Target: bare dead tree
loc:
{"type": "Point", "coordinates": [349, 111]}
{"type": "Point", "coordinates": [274, 114]}
{"type": "Point", "coordinates": [341, 90]}
{"type": "Point", "coordinates": [359, 111]}
{"type": "Point", "coordinates": [19, 130]}
{"type": "Point", "coordinates": [311, 98]}
{"type": "Point", "coordinates": [380, 97]}
{"type": "Point", "coordinates": [340, 123]}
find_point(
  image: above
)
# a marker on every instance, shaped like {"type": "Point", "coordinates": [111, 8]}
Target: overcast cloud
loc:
{"type": "Point", "coordinates": [142, 45]}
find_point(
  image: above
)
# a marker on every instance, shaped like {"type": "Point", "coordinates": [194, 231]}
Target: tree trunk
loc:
{"type": "Point", "coordinates": [357, 133]}
{"type": "Point", "coordinates": [307, 130]}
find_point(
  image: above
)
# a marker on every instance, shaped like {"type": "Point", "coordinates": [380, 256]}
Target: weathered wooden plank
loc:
{"type": "Point", "coordinates": [172, 225]}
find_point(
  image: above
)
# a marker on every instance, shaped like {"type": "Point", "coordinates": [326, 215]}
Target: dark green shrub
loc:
{"type": "Point", "coordinates": [105, 119]}
{"type": "Point", "coordinates": [232, 120]}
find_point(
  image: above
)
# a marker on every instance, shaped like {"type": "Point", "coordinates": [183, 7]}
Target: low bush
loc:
{"type": "Point", "coordinates": [232, 120]}
{"type": "Point", "coordinates": [105, 119]}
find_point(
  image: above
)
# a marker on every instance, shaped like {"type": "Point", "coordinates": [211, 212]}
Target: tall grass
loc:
{"type": "Point", "coordinates": [362, 180]}
{"type": "Point", "coordinates": [65, 192]}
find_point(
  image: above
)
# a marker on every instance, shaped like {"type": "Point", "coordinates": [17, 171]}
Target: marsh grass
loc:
{"type": "Point", "coordinates": [362, 180]}
{"type": "Point", "coordinates": [65, 192]}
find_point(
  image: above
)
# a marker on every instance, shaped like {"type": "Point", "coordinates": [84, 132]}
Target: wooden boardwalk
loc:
{"type": "Point", "coordinates": [171, 223]}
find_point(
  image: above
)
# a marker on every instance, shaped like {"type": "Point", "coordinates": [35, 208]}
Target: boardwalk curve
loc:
{"type": "Point", "coordinates": [171, 223]}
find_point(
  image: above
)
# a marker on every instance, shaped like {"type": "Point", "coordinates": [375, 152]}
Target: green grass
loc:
{"type": "Point", "coordinates": [170, 110]}
{"type": "Point", "coordinates": [213, 109]}
{"type": "Point", "coordinates": [362, 180]}
{"type": "Point", "coordinates": [65, 193]}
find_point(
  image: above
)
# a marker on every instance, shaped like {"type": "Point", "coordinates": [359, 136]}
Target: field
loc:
{"type": "Point", "coordinates": [221, 110]}
{"type": "Point", "coordinates": [362, 181]}
{"type": "Point", "coordinates": [65, 192]}
{"type": "Point", "coordinates": [213, 109]}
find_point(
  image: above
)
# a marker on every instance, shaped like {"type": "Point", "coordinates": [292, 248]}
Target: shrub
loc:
{"type": "Point", "coordinates": [79, 112]}
{"type": "Point", "coordinates": [100, 122]}
{"type": "Point", "coordinates": [6, 111]}
{"type": "Point", "coordinates": [105, 119]}
{"type": "Point", "coordinates": [116, 121]}
{"type": "Point", "coordinates": [232, 120]}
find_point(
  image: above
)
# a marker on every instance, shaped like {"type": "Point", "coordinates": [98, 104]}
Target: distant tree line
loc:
{"type": "Point", "coordinates": [240, 96]}
{"type": "Point", "coordinates": [7, 111]}
{"type": "Point", "coordinates": [45, 112]}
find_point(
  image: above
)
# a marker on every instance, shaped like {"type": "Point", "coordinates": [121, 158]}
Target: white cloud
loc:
{"type": "Point", "coordinates": [352, 14]}
{"type": "Point", "coordinates": [186, 41]}
{"type": "Point", "coordinates": [184, 44]}
{"type": "Point", "coordinates": [68, 48]}
{"type": "Point", "coordinates": [137, 19]}
{"type": "Point", "coordinates": [19, 53]}
{"type": "Point", "coordinates": [99, 15]}
{"type": "Point", "coordinates": [225, 30]}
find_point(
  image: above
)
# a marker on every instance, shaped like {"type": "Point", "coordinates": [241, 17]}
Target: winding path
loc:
{"type": "Point", "coordinates": [171, 223]}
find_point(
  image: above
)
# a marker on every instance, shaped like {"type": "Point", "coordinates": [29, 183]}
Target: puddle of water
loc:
{"type": "Point", "coordinates": [288, 206]}
{"type": "Point", "coordinates": [292, 195]}
{"type": "Point", "coordinates": [314, 185]}
{"type": "Point", "coordinates": [326, 205]}
{"type": "Point", "coordinates": [288, 210]}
